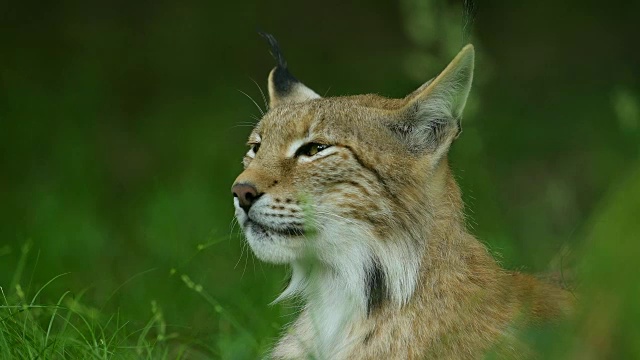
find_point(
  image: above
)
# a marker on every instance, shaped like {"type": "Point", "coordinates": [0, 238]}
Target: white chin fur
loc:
{"type": "Point", "coordinates": [266, 245]}
{"type": "Point", "coordinates": [273, 248]}
{"type": "Point", "coordinates": [334, 286]}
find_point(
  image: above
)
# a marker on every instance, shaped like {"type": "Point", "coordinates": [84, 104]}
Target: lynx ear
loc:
{"type": "Point", "coordinates": [431, 118]}
{"type": "Point", "coordinates": [284, 87]}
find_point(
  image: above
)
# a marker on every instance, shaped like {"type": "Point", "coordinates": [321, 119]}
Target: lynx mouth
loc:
{"type": "Point", "coordinates": [267, 230]}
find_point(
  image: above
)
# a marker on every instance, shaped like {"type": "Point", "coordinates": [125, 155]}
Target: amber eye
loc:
{"type": "Point", "coordinates": [311, 149]}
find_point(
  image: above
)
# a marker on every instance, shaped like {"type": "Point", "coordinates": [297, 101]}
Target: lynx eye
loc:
{"type": "Point", "coordinates": [254, 149]}
{"type": "Point", "coordinates": [310, 149]}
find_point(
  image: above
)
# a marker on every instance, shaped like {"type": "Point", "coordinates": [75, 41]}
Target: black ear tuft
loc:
{"type": "Point", "coordinates": [282, 79]}
{"type": "Point", "coordinates": [284, 87]}
{"type": "Point", "coordinates": [275, 49]}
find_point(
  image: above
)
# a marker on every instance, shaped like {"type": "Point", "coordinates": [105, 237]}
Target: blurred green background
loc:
{"type": "Point", "coordinates": [122, 127]}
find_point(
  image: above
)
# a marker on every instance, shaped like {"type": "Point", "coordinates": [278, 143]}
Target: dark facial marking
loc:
{"type": "Point", "coordinates": [368, 337]}
{"type": "Point", "coordinates": [372, 170]}
{"type": "Point", "coordinates": [376, 287]}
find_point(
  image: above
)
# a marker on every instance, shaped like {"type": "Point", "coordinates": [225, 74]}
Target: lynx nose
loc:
{"type": "Point", "coordinates": [247, 194]}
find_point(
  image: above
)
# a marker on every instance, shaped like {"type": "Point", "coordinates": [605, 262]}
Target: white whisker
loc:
{"type": "Point", "coordinates": [253, 101]}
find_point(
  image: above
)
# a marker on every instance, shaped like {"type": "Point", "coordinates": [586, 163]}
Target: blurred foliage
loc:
{"type": "Point", "coordinates": [607, 327]}
{"type": "Point", "coordinates": [121, 131]}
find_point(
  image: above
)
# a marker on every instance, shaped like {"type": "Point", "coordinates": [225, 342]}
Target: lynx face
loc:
{"type": "Point", "coordinates": [319, 171]}
{"type": "Point", "coordinates": [346, 179]}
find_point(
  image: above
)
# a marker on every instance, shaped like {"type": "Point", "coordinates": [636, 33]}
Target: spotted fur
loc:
{"type": "Point", "coordinates": [373, 228]}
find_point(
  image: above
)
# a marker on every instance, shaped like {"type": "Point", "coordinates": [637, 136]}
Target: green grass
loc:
{"type": "Point", "coordinates": [72, 327]}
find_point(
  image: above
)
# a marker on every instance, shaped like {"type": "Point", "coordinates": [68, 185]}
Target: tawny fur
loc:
{"type": "Point", "coordinates": [379, 197]}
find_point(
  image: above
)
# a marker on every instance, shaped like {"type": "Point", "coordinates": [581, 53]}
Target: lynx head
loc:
{"type": "Point", "coordinates": [351, 181]}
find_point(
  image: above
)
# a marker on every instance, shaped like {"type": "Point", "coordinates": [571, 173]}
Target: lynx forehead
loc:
{"type": "Point", "coordinates": [356, 195]}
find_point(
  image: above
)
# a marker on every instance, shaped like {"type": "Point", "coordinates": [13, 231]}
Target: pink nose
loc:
{"type": "Point", "coordinates": [247, 194]}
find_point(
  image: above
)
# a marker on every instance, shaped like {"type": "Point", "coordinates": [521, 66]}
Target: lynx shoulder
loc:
{"type": "Point", "coordinates": [356, 195]}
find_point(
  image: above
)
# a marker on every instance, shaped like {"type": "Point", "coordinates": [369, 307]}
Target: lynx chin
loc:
{"type": "Point", "coordinates": [355, 193]}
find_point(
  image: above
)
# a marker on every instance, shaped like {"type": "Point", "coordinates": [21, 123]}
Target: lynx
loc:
{"type": "Point", "coordinates": [355, 193]}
